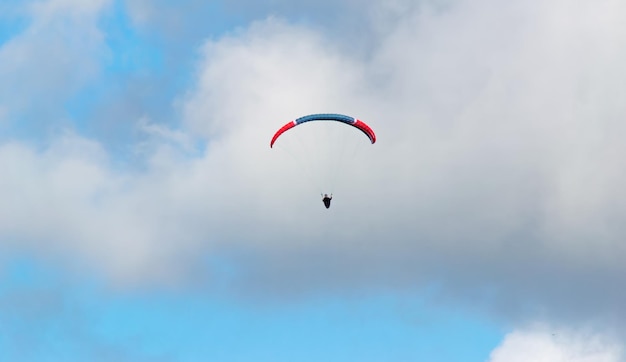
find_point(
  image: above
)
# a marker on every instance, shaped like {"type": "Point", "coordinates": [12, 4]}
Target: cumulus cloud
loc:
{"type": "Point", "coordinates": [556, 346]}
{"type": "Point", "coordinates": [496, 175]}
{"type": "Point", "coordinates": [497, 169]}
{"type": "Point", "coordinates": [69, 203]}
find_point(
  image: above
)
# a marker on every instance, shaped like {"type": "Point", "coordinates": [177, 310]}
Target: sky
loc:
{"type": "Point", "coordinates": [144, 217]}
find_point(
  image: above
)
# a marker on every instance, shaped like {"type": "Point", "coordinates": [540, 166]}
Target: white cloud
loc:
{"type": "Point", "coordinates": [56, 54]}
{"type": "Point", "coordinates": [272, 71]}
{"type": "Point", "coordinates": [542, 345]}
{"type": "Point", "coordinates": [497, 167]}
{"type": "Point", "coordinates": [497, 172]}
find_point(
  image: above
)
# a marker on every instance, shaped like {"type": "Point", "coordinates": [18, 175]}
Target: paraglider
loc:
{"type": "Point", "coordinates": [326, 200]}
{"type": "Point", "coordinates": [340, 118]}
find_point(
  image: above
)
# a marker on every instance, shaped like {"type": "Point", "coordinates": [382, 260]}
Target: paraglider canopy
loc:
{"type": "Point", "coordinates": [360, 125]}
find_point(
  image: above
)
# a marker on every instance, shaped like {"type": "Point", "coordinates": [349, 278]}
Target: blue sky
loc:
{"type": "Point", "coordinates": [144, 217]}
{"type": "Point", "coordinates": [78, 321]}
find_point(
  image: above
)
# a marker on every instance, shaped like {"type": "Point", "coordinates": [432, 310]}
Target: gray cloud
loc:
{"type": "Point", "coordinates": [496, 175]}
{"type": "Point", "coordinates": [497, 170]}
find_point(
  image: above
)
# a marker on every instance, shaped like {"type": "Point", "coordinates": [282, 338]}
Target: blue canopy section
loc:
{"type": "Point", "coordinates": [326, 117]}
